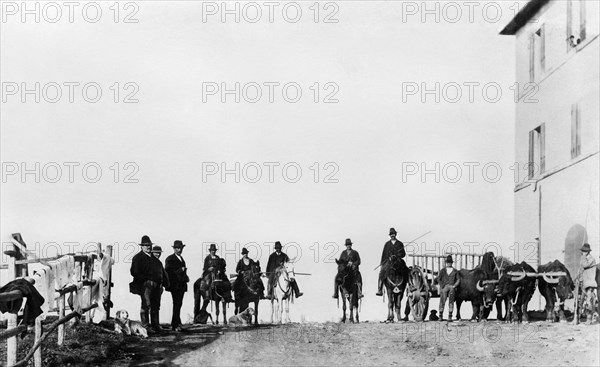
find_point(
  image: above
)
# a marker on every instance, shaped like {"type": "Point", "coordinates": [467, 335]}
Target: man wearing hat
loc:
{"type": "Point", "coordinates": [448, 280]}
{"type": "Point", "coordinates": [178, 280]}
{"type": "Point", "coordinates": [214, 268]}
{"type": "Point", "coordinates": [276, 259]}
{"type": "Point", "coordinates": [243, 265]}
{"type": "Point", "coordinates": [159, 276]}
{"type": "Point", "coordinates": [391, 248]}
{"type": "Point", "coordinates": [140, 270]}
{"type": "Point", "coordinates": [351, 258]}
{"type": "Point", "coordinates": [587, 274]}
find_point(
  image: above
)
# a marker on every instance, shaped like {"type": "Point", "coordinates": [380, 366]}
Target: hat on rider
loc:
{"type": "Point", "coordinates": [178, 244]}
{"type": "Point", "coordinates": [212, 247]}
{"type": "Point", "coordinates": [146, 241]}
{"type": "Point", "coordinates": [348, 242]}
{"type": "Point", "coordinates": [244, 251]}
{"type": "Point", "coordinates": [586, 247]}
{"type": "Point", "coordinates": [449, 259]}
{"type": "Point", "coordinates": [392, 231]}
{"type": "Point", "coordinates": [157, 249]}
{"type": "Point", "coordinates": [277, 245]}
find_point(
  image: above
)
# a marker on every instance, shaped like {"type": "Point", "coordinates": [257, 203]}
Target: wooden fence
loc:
{"type": "Point", "coordinates": [18, 261]}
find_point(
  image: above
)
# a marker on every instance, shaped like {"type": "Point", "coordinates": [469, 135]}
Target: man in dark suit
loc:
{"type": "Point", "coordinates": [140, 270]}
{"type": "Point", "coordinates": [351, 258]}
{"type": "Point", "coordinates": [276, 259]}
{"type": "Point", "coordinates": [178, 279]}
{"type": "Point", "coordinates": [393, 247]}
{"type": "Point", "coordinates": [215, 269]}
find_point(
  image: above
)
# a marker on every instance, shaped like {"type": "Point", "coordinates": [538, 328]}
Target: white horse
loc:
{"type": "Point", "coordinates": [282, 292]}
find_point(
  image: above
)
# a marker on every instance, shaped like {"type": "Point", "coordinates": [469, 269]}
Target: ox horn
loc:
{"type": "Point", "coordinates": [479, 287]}
{"type": "Point", "coordinates": [517, 276]}
{"type": "Point", "coordinates": [549, 280]}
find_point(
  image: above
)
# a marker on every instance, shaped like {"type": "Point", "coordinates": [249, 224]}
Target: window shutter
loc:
{"type": "Point", "coordinates": [530, 166]}
{"type": "Point", "coordinates": [569, 23]}
{"type": "Point", "coordinates": [542, 148]}
{"type": "Point", "coordinates": [531, 57]}
{"type": "Point", "coordinates": [573, 130]}
{"type": "Point", "coordinates": [578, 131]}
{"type": "Point", "coordinates": [582, 19]}
{"type": "Point", "coordinates": [543, 47]}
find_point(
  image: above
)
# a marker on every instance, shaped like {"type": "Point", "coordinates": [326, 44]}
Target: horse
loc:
{"type": "Point", "coordinates": [396, 278]}
{"type": "Point", "coordinates": [418, 294]}
{"type": "Point", "coordinates": [282, 292]}
{"type": "Point", "coordinates": [248, 290]}
{"type": "Point", "coordinates": [348, 287]}
{"type": "Point", "coordinates": [211, 288]}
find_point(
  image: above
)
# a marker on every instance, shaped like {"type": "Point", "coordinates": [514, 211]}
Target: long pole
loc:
{"type": "Point", "coordinates": [423, 235]}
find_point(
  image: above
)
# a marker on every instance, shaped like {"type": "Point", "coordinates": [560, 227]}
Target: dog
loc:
{"type": "Point", "coordinates": [243, 318]}
{"type": "Point", "coordinates": [202, 318]}
{"type": "Point", "coordinates": [433, 316]}
{"type": "Point", "coordinates": [123, 325]}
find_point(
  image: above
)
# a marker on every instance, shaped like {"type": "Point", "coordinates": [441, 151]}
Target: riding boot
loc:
{"type": "Point", "coordinates": [296, 289]}
{"type": "Point", "coordinates": [379, 287]}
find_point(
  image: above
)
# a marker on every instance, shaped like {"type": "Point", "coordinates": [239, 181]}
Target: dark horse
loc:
{"type": "Point", "coordinates": [396, 277]}
{"type": "Point", "coordinates": [212, 287]}
{"type": "Point", "coordinates": [247, 289]}
{"type": "Point", "coordinates": [348, 287]}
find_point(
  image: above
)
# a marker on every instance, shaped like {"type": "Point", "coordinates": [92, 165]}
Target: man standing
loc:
{"type": "Point", "coordinates": [178, 280]}
{"type": "Point", "coordinates": [448, 281]}
{"type": "Point", "coordinates": [276, 259]}
{"type": "Point", "coordinates": [587, 274]}
{"type": "Point", "coordinates": [351, 258]}
{"type": "Point", "coordinates": [158, 275]}
{"type": "Point", "coordinates": [393, 247]}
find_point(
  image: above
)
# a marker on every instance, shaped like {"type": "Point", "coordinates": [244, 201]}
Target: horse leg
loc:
{"type": "Point", "coordinates": [398, 307]}
{"type": "Point", "coordinates": [407, 309]}
{"type": "Point", "coordinates": [287, 311]}
{"type": "Point", "coordinates": [272, 309]}
{"type": "Point", "coordinates": [256, 312]}
{"type": "Point", "coordinates": [343, 308]}
{"type": "Point", "coordinates": [390, 306]}
{"type": "Point", "coordinates": [224, 311]}
{"type": "Point", "coordinates": [217, 311]}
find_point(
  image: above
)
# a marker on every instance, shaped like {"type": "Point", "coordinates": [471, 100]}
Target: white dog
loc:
{"type": "Point", "coordinates": [243, 318]}
{"type": "Point", "coordinates": [129, 327]}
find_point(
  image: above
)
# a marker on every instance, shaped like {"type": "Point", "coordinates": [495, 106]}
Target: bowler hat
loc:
{"type": "Point", "coordinates": [178, 244]}
{"type": "Point", "coordinates": [146, 241]}
{"type": "Point", "coordinates": [212, 247]}
{"type": "Point", "coordinates": [449, 259]}
{"type": "Point", "coordinates": [586, 247]}
{"type": "Point", "coordinates": [278, 245]}
{"type": "Point", "coordinates": [348, 242]}
{"type": "Point", "coordinates": [156, 249]}
{"type": "Point", "coordinates": [244, 251]}
{"type": "Point", "coordinates": [392, 231]}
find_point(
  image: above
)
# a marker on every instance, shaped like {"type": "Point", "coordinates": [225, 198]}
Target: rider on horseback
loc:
{"type": "Point", "coordinates": [247, 264]}
{"type": "Point", "coordinates": [351, 258]}
{"type": "Point", "coordinates": [391, 248]}
{"type": "Point", "coordinates": [277, 259]}
{"type": "Point", "coordinates": [214, 271]}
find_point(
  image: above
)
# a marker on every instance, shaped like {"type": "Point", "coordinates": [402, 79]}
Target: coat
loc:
{"type": "Point", "coordinates": [445, 279]}
{"type": "Point", "coordinates": [217, 263]}
{"type": "Point", "coordinates": [353, 256]}
{"type": "Point", "coordinates": [390, 249]}
{"type": "Point", "coordinates": [176, 270]}
{"type": "Point", "coordinates": [241, 267]}
{"type": "Point", "coordinates": [157, 273]}
{"type": "Point", "coordinates": [140, 267]}
{"type": "Point", "coordinates": [276, 260]}
{"type": "Point", "coordinates": [588, 267]}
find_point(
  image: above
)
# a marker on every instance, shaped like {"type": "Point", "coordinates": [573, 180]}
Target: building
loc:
{"type": "Point", "coordinates": [557, 130]}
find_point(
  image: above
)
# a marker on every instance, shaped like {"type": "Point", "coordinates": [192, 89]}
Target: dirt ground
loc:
{"type": "Point", "coordinates": [321, 344]}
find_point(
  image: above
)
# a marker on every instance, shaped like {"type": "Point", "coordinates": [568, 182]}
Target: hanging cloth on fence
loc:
{"type": "Point", "coordinates": [32, 306]}
{"type": "Point", "coordinates": [44, 283]}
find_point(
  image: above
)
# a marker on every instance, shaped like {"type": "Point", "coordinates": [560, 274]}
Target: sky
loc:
{"type": "Point", "coordinates": [353, 167]}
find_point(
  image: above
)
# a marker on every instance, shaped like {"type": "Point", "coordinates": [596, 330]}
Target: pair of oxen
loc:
{"type": "Point", "coordinates": [495, 280]}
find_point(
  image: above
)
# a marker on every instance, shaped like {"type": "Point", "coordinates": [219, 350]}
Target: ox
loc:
{"type": "Point", "coordinates": [479, 287]}
{"type": "Point", "coordinates": [555, 285]}
{"type": "Point", "coordinates": [517, 285]}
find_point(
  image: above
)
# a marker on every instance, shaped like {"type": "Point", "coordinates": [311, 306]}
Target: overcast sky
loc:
{"type": "Point", "coordinates": [375, 51]}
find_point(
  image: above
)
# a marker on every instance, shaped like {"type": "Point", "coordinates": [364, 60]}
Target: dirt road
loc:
{"type": "Point", "coordinates": [402, 344]}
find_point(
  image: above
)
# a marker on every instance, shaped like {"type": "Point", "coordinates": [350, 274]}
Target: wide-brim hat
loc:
{"type": "Point", "coordinates": [146, 241]}
{"type": "Point", "coordinates": [449, 259]}
{"type": "Point", "coordinates": [157, 248]}
{"type": "Point", "coordinates": [212, 247]}
{"type": "Point", "coordinates": [586, 247]}
{"type": "Point", "coordinates": [178, 244]}
{"type": "Point", "coordinates": [244, 251]}
{"type": "Point", "coordinates": [393, 231]}
{"type": "Point", "coordinates": [278, 245]}
{"type": "Point", "coordinates": [348, 242]}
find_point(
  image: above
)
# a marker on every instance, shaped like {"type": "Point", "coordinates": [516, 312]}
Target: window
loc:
{"type": "Point", "coordinates": [537, 159]}
{"type": "Point", "coordinates": [575, 130]}
{"type": "Point", "coordinates": [576, 27]}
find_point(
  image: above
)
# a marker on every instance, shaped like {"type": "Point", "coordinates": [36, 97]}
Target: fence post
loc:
{"type": "Point", "coordinates": [11, 318]}
{"type": "Point", "coordinates": [37, 356]}
{"type": "Point", "coordinates": [109, 249]}
{"type": "Point", "coordinates": [61, 314]}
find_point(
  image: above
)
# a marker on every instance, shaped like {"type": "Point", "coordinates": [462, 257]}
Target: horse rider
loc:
{"type": "Point", "coordinates": [214, 270]}
{"type": "Point", "coordinates": [391, 248]}
{"type": "Point", "coordinates": [244, 265]}
{"type": "Point", "coordinates": [178, 280]}
{"type": "Point", "coordinates": [277, 259]}
{"type": "Point", "coordinates": [143, 284]}
{"type": "Point", "coordinates": [351, 258]}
